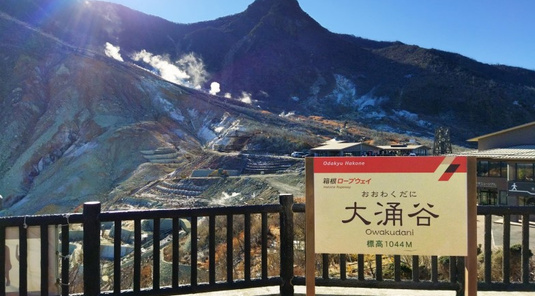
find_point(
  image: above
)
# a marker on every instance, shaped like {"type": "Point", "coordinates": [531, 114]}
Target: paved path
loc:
{"type": "Point", "coordinates": [333, 291]}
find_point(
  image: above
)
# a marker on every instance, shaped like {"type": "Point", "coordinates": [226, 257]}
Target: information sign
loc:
{"type": "Point", "coordinates": [391, 205]}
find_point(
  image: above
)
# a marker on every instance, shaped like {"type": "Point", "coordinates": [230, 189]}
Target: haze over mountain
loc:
{"type": "Point", "coordinates": [91, 93]}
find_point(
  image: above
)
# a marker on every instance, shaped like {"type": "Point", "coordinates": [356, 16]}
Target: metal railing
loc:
{"type": "Point", "coordinates": [238, 247]}
{"type": "Point", "coordinates": [519, 255]}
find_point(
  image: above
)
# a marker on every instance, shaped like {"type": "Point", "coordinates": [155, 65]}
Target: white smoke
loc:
{"type": "Point", "coordinates": [289, 114]}
{"type": "Point", "coordinates": [246, 98]}
{"type": "Point", "coordinates": [163, 66]}
{"type": "Point", "coordinates": [228, 95]}
{"type": "Point", "coordinates": [226, 198]}
{"type": "Point", "coordinates": [195, 68]}
{"type": "Point", "coordinates": [215, 88]}
{"type": "Point", "coordinates": [187, 71]}
{"type": "Point", "coordinates": [113, 52]}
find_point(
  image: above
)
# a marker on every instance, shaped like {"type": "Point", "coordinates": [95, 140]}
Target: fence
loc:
{"type": "Point", "coordinates": [229, 248]}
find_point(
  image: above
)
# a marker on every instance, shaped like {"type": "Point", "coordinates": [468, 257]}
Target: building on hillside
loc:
{"type": "Point", "coordinates": [404, 150]}
{"type": "Point", "coordinates": [333, 148]}
{"type": "Point", "coordinates": [341, 148]}
{"type": "Point", "coordinates": [506, 166]}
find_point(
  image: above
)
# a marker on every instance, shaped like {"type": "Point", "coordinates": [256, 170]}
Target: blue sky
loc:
{"type": "Point", "coordinates": [489, 31]}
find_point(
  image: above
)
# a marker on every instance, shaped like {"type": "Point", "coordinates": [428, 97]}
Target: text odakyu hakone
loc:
{"type": "Point", "coordinates": [343, 163]}
{"type": "Point", "coordinates": [392, 213]}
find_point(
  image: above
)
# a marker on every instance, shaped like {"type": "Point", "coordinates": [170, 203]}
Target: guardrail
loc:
{"type": "Point", "coordinates": [229, 248]}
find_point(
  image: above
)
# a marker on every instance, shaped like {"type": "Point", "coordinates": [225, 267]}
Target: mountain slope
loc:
{"type": "Point", "coordinates": [77, 125]}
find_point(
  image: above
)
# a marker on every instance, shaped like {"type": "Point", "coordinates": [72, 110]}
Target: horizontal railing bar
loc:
{"type": "Point", "coordinates": [387, 284]}
{"type": "Point", "coordinates": [298, 207]}
{"type": "Point", "coordinates": [505, 210]}
{"type": "Point", "coordinates": [184, 213]}
{"type": "Point", "coordinates": [35, 220]}
{"type": "Point", "coordinates": [497, 286]}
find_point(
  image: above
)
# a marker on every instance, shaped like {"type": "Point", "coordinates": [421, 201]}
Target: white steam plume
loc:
{"type": "Point", "coordinates": [215, 88]}
{"type": "Point", "coordinates": [187, 71]}
{"type": "Point", "coordinates": [163, 66]}
{"type": "Point", "coordinates": [113, 52]}
{"type": "Point", "coordinates": [289, 114]}
{"type": "Point", "coordinates": [195, 68]}
{"type": "Point", "coordinates": [246, 98]}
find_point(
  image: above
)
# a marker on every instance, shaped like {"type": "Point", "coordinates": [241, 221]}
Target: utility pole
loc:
{"type": "Point", "coordinates": [442, 143]}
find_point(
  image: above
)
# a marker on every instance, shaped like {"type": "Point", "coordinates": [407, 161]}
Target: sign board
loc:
{"type": "Point", "coordinates": [391, 205]}
{"type": "Point", "coordinates": [519, 188]}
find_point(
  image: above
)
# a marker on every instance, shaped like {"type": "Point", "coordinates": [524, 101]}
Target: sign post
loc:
{"type": "Point", "coordinates": [310, 250]}
{"type": "Point", "coordinates": [391, 205]}
{"type": "Point", "coordinates": [470, 281]}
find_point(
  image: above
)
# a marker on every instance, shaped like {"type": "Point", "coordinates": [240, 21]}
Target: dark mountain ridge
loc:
{"type": "Point", "coordinates": [288, 62]}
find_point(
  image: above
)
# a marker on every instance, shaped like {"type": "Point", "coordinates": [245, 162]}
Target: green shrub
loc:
{"type": "Point", "coordinates": [515, 267]}
{"type": "Point", "coordinates": [406, 271]}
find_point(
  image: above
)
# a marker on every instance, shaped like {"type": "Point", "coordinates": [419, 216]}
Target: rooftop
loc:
{"type": "Point", "coordinates": [338, 146]}
{"type": "Point", "coordinates": [502, 131]}
{"type": "Point", "coordinates": [403, 147]}
{"type": "Point", "coordinates": [522, 152]}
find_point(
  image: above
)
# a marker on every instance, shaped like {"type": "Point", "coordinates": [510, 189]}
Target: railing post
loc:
{"type": "Point", "coordinates": [287, 245]}
{"type": "Point", "coordinates": [91, 248]}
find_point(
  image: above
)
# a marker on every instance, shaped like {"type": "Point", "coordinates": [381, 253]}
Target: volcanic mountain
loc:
{"type": "Point", "coordinates": [94, 95]}
{"type": "Point", "coordinates": [285, 61]}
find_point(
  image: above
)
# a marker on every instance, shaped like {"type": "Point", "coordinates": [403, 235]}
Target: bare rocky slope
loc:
{"type": "Point", "coordinates": [80, 126]}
